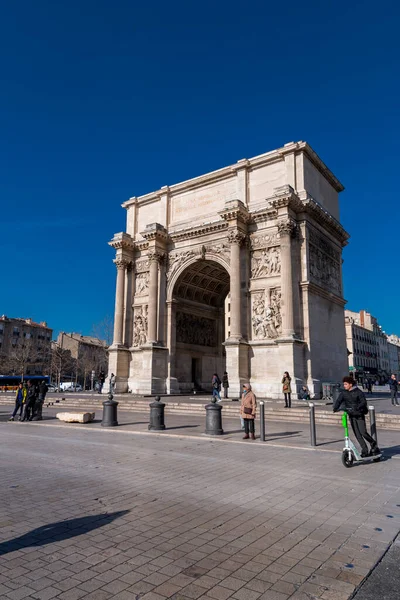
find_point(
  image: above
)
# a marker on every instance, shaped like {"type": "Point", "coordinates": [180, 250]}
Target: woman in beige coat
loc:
{"type": "Point", "coordinates": [287, 389]}
{"type": "Point", "coordinates": [248, 411]}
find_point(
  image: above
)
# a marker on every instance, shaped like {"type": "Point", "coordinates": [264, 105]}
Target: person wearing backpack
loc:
{"type": "Point", "coordinates": [353, 401]}
{"type": "Point", "coordinates": [216, 387]}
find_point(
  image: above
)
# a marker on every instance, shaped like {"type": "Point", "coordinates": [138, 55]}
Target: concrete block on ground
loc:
{"type": "Point", "coordinates": [76, 417]}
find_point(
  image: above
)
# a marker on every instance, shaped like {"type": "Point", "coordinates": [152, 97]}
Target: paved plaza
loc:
{"type": "Point", "coordinates": [102, 514]}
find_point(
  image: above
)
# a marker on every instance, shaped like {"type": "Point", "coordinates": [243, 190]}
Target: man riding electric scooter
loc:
{"type": "Point", "coordinates": [352, 400]}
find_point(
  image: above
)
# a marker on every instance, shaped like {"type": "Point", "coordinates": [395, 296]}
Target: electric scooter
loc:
{"type": "Point", "coordinates": [350, 454]}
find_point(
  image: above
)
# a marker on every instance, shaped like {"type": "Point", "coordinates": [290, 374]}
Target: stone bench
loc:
{"type": "Point", "coordinates": [76, 417]}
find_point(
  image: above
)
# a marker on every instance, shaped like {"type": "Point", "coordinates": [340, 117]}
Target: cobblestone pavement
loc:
{"type": "Point", "coordinates": [89, 515]}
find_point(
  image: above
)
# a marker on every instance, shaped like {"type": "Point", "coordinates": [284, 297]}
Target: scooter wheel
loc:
{"type": "Point", "coordinates": [347, 459]}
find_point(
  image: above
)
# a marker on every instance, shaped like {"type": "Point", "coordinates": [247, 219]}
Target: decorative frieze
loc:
{"type": "Point", "coordinates": [263, 240]}
{"type": "Point", "coordinates": [199, 331]}
{"type": "Point", "coordinates": [141, 266]}
{"type": "Point", "coordinates": [266, 314]}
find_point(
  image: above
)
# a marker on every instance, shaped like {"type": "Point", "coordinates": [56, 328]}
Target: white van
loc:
{"type": "Point", "coordinates": [70, 386]}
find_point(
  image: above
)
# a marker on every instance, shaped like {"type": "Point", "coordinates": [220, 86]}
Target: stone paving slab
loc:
{"type": "Point", "coordinates": [294, 435]}
{"type": "Point", "coordinates": [384, 580]}
{"type": "Point", "coordinates": [129, 517]}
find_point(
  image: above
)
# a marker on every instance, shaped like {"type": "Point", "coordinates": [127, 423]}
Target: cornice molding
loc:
{"type": "Point", "coordinates": [235, 210]}
{"type": "Point", "coordinates": [155, 231]}
{"type": "Point", "coordinates": [313, 208]}
{"type": "Point", "coordinates": [320, 291]}
{"type": "Point", "coordinates": [198, 231]}
{"type": "Point", "coordinates": [122, 241]}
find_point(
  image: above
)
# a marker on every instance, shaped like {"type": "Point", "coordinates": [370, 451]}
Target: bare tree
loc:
{"type": "Point", "coordinates": [25, 355]}
{"type": "Point", "coordinates": [62, 363]}
{"type": "Point", "coordinates": [103, 330]}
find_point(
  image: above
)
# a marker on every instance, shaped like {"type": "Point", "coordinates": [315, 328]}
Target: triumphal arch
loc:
{"type": "Point", "coordinates": [238, 270]}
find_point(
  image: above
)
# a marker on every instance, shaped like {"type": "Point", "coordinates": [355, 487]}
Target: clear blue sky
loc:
{"type": "Point", "coordinates": [104, 100]}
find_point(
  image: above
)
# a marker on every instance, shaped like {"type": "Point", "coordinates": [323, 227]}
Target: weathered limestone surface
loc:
{"type": "Point", "coordinates": [239, 270]}
{"type": "Point", "coordinates": [76, 417]}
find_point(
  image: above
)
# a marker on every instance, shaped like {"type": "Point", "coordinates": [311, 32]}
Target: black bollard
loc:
{"type": "Point", "coordinates": [313, 435]}
{"type": "Point", "coordinates": [110, 412]}
{"type": "Point", "coordinates": [213, 419]}
{"type": "Point", "coordinates": [157, 415]}
{"type": "Point", "coordinates": [262, 422]}
{"type": "Point", "coordinates": [372, 422]}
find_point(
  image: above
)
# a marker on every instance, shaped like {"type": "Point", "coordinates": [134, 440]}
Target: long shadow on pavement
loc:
{"type": "Point", "coordinates": [62, 530]}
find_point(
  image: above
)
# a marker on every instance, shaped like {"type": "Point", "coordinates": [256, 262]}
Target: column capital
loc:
{"type": "Point", "coordinates": [287, 226]}
{"type": "Point", "coordinates": [156, 256]}
{"type": "Point", "coordinates": [122, 263]}
{"type": "Point", "coordinates": [235, 236]}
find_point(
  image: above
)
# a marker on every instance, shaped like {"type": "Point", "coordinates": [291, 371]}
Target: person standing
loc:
{"type": "Point", "coordinates": [394, 386]}
{"type": "Point", "coordinates": [248, 408]}
{"type": "Point", "coordinates": [216, 386]}
{"type": "Point", "coordinates": [287, 389]}
{"type": "Point", "coordinates": [225, 383]}
{"type": "Point", "coordinates": [30, 402]}
{"type": "Point", "coordinates": [112, 383]}
{"type": "Point", "coordinates": [38, 408]}
{"type": "Point", "coordinates": [353, 401]}
{"type": "Point", "coordinates": [20, 399]}
{"type": "Point", "coordinates": [102, 379]}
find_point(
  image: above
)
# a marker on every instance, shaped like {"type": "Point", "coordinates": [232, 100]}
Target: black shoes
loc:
{"type": "Point", "coordinates": [375, 451]}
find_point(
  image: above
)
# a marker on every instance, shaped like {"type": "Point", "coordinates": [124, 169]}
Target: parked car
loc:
{"type": "Point", "coordinates": [52, 388]}
{"type": "Point", "coordinates": [70, 386]}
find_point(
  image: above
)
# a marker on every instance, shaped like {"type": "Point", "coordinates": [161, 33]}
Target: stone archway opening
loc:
{"type": "Point", "coordinates": [201, 300]}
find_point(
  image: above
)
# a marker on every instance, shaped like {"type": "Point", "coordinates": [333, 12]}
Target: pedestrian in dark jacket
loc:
{"type": "Point", "coordinates": [225, 383]}
{"type": "Point", "coordinates": [394, 386]}
{"type": "Point", "coordinates": [353, 401]}
{"type": "Point", "coordinates": [30, 402]}
{"type": "Point", "coordinates": [216, 387]}
{"type": "Point", "coordinates": [38, 408]}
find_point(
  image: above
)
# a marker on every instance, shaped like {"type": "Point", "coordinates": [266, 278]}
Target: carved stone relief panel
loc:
{"type": "Point", "coordinates": [220, 249]}
{"type": "Point", "coordinates": [324, 263]}
{"type": "Point", "coordinates": [266, 314]}
{"type": "Point", "coordinates": [191, 329]}
{"type": "Point", "coordinates": [142, 283]}
{"type": "Point", "coordinates": [176, 259]}
{"type": "Point", "coordinates": [140, 326]}
{"type": "Point", "coordinates": [266, 262]}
